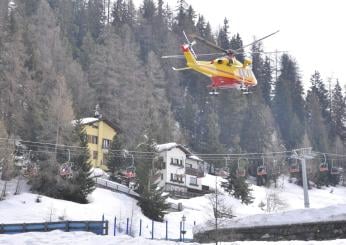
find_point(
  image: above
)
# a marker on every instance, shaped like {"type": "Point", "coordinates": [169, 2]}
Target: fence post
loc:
{"type": "Point", "coordinates": [106, 229]}
{"type": "Point", "coordinates": [180, 231]}
{"type": "Point", "coordinates": [127, 226]}
{"type": "Point", "coordinates": [140, 227]}
{"type": "Point", "coordinates": [166, 229]}
{"type": "Point", "coordinates": [152, 230]}
{"type": "Point", "coordinates": [115, 225]}
{"type": "Point", "coordinates": [67, 226]}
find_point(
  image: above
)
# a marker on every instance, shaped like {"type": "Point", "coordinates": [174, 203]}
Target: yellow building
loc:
{"type": "Point", "coordinates": [100, 133]}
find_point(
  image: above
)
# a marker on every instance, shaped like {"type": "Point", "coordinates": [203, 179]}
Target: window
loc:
{"type": "Point", "coordinates": [193, 181]}
{"type": "Point", "coordinates": [177, 178]}
{"type": "Point", "coordinates": [94, 154]}
{"type": "Point", "coordinates": [177, 162]}
{"type": "Point", "coordinates": [106, 143]}
{"type": "Point", "coordinates": [92, 139]}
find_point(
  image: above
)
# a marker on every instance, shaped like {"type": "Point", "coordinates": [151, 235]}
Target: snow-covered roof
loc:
{"type": "Point", "coordinates": [89, 120]}
{"type": "Point", "coordinates": [86, 120]}
{"type": "Point", "coordinates": [193, 157]}
{"type": "Point", "coordinates": [166, 147]}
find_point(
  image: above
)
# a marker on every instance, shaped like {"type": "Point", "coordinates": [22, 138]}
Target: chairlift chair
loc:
{"type": "Point", "coordinates": [334, 170]}
{"type": "Point", "coordinates": [65, 170]}
{"type": "Point", "coordinates": [324, 165]}
{"type": "Point", "coordinates": [294, 167]}
{"type": "Point", "coordinates": [31, 170]}
{"type": "Point", "coordinates": [241, 171]}
{"type": "Point", "coordinates": [261, 170]}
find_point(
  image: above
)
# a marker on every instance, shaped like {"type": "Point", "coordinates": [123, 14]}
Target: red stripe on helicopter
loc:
{"type": "Point", "coordinates": [224, 82]}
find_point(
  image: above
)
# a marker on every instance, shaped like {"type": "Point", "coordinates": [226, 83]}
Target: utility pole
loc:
{"type": "Point", "coordinates": [216, 215]}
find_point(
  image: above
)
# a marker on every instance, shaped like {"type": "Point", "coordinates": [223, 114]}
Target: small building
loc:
{"type": "Point", "coordinates": [179, 171]}
{"type": "Point", "coordinates": [100, 133]}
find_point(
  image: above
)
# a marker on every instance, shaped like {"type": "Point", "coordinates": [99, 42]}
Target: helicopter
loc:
{"type": "Point", "coordinates": [225, 72]}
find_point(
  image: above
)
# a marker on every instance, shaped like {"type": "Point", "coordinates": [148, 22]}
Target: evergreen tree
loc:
{"type": "Point", "coordinates": [152, 201]}
{"type": "Point", "coordinates": [338, 112]}
{"type": "Point", "coordinates": [236, 43]}
{"type": "Point", "coordinates": [255, 133]}
{"type": "Point", "coordinates": [237, 186]}
{"type": "Point", "coordinates": [317, 130]}
{"type": "Point", "coordinates": [223, 36]}
{"type": "Point", "coordinates": [116, 160]}
{"type": "Point", "coordinates": [96, 17]}
{"type": "Point", "coordinates": [321, 92]}
{"type": "Point", "coordinates": [81, 180]}
{"type": "Point", "coordinates": [288, 103]}
{"type": "Point", "coordinates": [267, 81]}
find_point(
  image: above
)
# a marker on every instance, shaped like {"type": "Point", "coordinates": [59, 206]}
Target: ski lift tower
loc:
{"type": "Point", "coordinates": [303, 154]}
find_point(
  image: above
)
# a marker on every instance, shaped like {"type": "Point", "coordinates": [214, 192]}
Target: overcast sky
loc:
{"type": "Point", "coordinates": [313, 32]}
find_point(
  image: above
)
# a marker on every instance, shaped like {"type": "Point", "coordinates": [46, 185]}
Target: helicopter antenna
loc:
{"type": "Point", "coordinates": [190, 44]}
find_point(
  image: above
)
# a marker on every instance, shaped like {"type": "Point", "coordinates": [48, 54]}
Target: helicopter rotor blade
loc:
{"type": "Point", "coordinates": [266, 52]}
{"type": "Point", "coordinates": [172, 56]}
{"type": "Point", "coordinates": [208, 43]}
{"type": "Point", "coordinates": [256, 41]}
{"type": "Point", "coordinates": [182, 56]}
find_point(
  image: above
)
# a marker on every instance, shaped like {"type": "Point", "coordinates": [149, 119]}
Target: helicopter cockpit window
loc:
{"type": "Point", "coordinates": [219, 61]}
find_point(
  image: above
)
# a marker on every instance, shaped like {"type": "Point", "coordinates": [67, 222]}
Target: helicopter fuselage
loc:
{"type": "Point", "coordinates": [223, 73]}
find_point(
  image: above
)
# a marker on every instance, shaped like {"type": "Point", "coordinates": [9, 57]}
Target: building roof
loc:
{"type": "Point", "coordinates": [171, 145]}
{"type": "Point", "coordinates": [91, 120]}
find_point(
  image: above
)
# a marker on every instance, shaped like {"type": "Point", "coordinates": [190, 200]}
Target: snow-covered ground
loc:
{"type": "Point", "coordinates": [288, 207]}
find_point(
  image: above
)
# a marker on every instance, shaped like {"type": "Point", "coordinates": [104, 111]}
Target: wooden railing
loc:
{"type": "Point", "coordinates": [195, 172]}
{"type": "Point", "coordinates": [114, 186]}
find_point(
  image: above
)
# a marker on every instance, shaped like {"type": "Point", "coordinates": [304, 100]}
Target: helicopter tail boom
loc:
{"type": "Point", "coordinates": [189, 56]}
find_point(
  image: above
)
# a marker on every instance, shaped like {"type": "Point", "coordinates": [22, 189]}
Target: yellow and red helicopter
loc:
{"type": "Point", "coordinates": [225, 72]}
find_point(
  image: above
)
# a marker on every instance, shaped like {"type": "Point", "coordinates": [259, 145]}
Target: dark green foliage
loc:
{"type": "Point", "coordinates": [73, 188]}
{"type": "Point", "coordinates": [84, 184]}
{"type": "Point", "coordinates": [317, 130]}
{"type": "Point", "coordinates": [117, 158]}
{"type": "Point", "coordinates": [338, 112]}
{"type": "Point", "coordinates": [288, 103]}
{"type": "Point", "coordinates": [153, 203]}
{"type": "Point", "coordinates": [237, 186]}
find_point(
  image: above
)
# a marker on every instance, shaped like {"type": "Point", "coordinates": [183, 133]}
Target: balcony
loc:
{"type": "Point", "coordinates": [194, 172]}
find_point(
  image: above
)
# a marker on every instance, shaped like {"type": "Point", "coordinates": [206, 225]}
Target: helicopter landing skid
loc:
{"type": "Point", "coordinates": [214, 92]}
{"type": "Point", "coordinates": [246, 92]}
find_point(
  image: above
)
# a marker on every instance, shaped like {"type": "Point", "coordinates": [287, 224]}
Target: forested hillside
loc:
{"type": "Point", "coordinates": [60, 58]}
